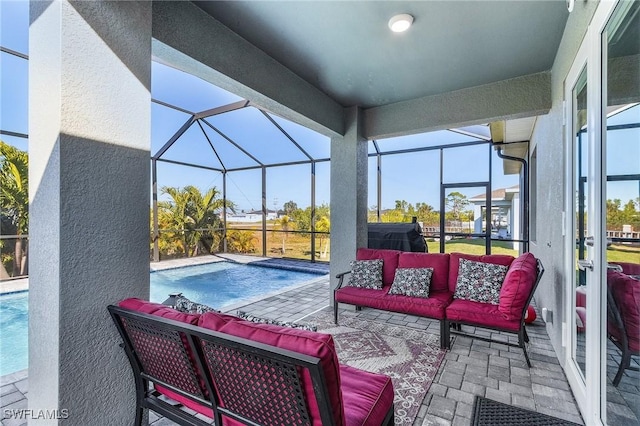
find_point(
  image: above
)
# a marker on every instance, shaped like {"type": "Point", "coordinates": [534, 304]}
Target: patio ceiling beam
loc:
{"type": "Point", "coordinates": [187, 38]}
{"type": "Point", "coordinates": [519, 97]}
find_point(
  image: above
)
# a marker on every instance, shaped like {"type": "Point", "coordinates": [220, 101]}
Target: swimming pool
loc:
{"type": "Point", "coordinates": [219, 285]}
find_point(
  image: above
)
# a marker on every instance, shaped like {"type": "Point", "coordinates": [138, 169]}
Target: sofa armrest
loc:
{"type": "Point", "coordinates": [340, 278]}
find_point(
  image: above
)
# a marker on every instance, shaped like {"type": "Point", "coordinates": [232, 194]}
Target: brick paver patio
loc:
{"type": "Point", "coordinates": [472, 367]}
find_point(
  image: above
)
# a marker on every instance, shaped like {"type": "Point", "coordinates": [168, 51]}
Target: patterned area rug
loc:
{"type": "Point", "coordinates": [410, 357]}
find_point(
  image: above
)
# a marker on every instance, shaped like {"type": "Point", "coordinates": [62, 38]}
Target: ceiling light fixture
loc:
{"type": "Point", "coordinates": [400, 23]}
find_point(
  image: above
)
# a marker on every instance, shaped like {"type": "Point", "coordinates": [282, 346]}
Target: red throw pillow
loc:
{"type": "Point", "coordinates": [517, 286]}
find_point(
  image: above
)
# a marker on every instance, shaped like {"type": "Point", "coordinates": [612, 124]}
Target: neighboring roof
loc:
{"type": "Point", "coordinates": [498, 194]}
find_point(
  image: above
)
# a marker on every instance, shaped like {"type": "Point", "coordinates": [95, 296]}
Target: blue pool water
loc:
{"type": "Point", "coordinates": [215, 284]}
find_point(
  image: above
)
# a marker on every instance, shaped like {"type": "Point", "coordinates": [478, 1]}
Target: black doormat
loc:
{"type": "Point", "coordinates": [487, 412]}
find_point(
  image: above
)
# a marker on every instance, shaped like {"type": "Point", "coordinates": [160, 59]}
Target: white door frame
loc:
{"type": "Point", "coordinates": [572, 370]}
{"type": "Point", "coordinates": [591, 393]}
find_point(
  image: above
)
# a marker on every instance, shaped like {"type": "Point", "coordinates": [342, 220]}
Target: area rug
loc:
{"type": "Point", "coordinates": [487, 412]}
{"type": "Point", "coordinates": [410, 357]}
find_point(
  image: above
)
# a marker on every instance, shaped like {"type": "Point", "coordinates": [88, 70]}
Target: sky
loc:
{"type": "Point", "coordinates": [412, 177]}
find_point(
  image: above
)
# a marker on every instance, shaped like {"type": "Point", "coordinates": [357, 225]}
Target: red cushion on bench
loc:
{"type": "Point", "coordinates": [318, 345]}
{"type": "Point", "coordinates": [158, 309]}
{"type": "Point", "coordinates": [626, 293]}
{"type": "Point", "coordinates": [517, 286]}
{"type": "Point", "coordinates": [389, 259]}
{"type": "Point", "coordinates": [482, 314]}
{"type": "Point", "coordinates": [430, 307]}
{"type": "Point", "coordinates": [215, 320]}
{"type": "Point", "coordinates": [367, 397]}
{"type": "Point", "coordinates": [454, 264]}
{"type": "Point", "coordinates": [438, 261]}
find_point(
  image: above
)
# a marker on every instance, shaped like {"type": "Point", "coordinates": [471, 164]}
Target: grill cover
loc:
{"type": "Point", "coordinates": [397, 236]}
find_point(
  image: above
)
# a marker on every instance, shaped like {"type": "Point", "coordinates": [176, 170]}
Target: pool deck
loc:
{"type": "Point", "coordinates": [471, 367]}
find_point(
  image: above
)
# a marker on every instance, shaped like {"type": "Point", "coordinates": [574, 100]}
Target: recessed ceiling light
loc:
{"type": "Point", "coordinates": [400, 23]}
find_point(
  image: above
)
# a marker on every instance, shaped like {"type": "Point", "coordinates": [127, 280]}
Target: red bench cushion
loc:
{"type": "Point", "coordinates": [430, 307]}
{"type": "Point", "coordinates": [439, 262]}
{"type": "Point", "coordinates": [454, 264]}
{"type": "Point", "coordinates": [482, 314]}
{"type": "Point", "coordinates": [626, 293]}
{"type": "Point", "coordinates": [158, 309]}
{"type": "Point", "coordinates": [318, 345]}
{"type": "Point", "coordinates": [389, 257]}
{"type": "Point", "coordinates": [517, 286]}
{"type": "Point", "coordinates": [367, 397]}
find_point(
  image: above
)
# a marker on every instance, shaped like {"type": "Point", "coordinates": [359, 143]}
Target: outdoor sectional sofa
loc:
{"type": "Point", "coordinates": [238, 372]}
{"type": "Point", "coordinates": [515, 292]}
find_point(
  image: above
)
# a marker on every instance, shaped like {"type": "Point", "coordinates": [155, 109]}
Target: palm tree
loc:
{"type": "Point", "coordinates": [193, 216]}
{"type": "Point", "coordinates": [14, 175]}
{"type": "Point", "coordinates": [323, 225]}
{"type": "Point", "coordinates": [284, 222]}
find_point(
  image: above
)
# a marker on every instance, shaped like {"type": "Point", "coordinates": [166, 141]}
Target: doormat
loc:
{"type": "Point", "coordinates": [410, 357]}
{"type": "Point", "coordinates": [487, 412]}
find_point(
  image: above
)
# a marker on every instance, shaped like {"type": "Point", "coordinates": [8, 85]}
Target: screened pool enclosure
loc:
{"type": "Point", "coordinates": [271, 179]}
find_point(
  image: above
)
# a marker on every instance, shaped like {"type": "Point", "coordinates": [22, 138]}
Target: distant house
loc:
{"type": "Point", "coordinates": [504, 218]}
{"type": "Point", "coordinates": [252, 216]}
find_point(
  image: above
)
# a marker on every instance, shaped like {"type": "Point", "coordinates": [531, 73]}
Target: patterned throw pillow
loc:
{"type": "Point", "coordinates": [252, 318]}
{"type": "Point", "coordinates": [185, 305]}
{"type": "Point", "coordinates": [366, 274]}
{"type": "Point", "coordinates": [480, 281]}
{"type": "Point", "coordinates": [412, 282]}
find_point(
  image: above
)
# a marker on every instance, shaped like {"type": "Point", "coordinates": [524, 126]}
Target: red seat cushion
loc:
{"type": "Point", "coordinates": [389, 258]}
{"type": "Point", "coordinates": [454, 264]}
{"type": "Point", "coordinates": [310, 343]}
{"type": "Point", "coordinates": [517, 286]}
{"type": "Point", "coordinates": [482, 314]}
{"type": "Point", "coordinates": [628, 268]}
{"type": "Point", "coordinates": [431, 307]}
{"type": "Point", "coordinates": [158, 309]}
{"type": "Point", "coordinates": [367, 397]}
{"type": "Point", "coordinates": [439, 262]}
{"type": "Point", "coordinates": [626, 293]}
{"type": "Point", "coordinates": [581, 296]}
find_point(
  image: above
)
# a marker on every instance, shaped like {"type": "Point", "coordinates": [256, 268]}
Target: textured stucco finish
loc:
{"type": "Point", "coordinates": [349, 163]}
{"type": "Point", "coordinates": [519, 97]}
{"type": "Point", "coordinates": [90, 116]}
{"type": "Point", "coordinates": [548, 139]}
{"type": "Point", "coordinates": [189, 39]}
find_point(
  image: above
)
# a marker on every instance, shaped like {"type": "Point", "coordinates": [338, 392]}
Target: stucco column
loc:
{"type": "Point", "coordinates": [89, 148]}
{"type": "Point", "coordinates": [349, 163]}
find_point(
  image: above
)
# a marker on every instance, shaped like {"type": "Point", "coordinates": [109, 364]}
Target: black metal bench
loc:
{"type": "Point", "coordinates": [258, 384]}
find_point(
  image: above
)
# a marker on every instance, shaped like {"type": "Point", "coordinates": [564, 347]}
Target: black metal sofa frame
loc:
{"type": "Point", "coordinates": [197, 363]}
{"type": "Point", "coordinates": [450, 327]}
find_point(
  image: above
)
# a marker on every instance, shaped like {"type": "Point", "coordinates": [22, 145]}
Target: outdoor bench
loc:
{"type": "Point", "coordinates": [236, 372]}
{"type": "Point", "coordinates": [440, 301]}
